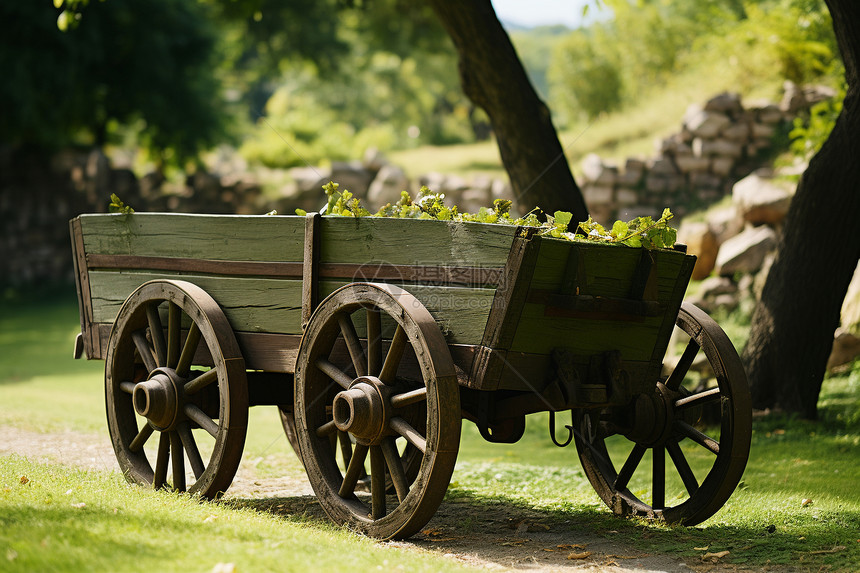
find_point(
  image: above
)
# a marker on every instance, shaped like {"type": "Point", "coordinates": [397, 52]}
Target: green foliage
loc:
{"type": "Point", "coordinates": [810, 133]}
{"type": "Point", "coordinates": [117, 206]}
{"type": "Point", "coordinates": [584, 79]}
{"type": "Point", "coordinates": [125, 62]}
{"type": "Point", "coordinates": [639, 232]}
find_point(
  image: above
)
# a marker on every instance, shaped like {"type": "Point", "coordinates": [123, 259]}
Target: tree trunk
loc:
{"type": "Point", "coordinates": [494, 79]}
{"type": "Point", "coordinates": [793, 326]}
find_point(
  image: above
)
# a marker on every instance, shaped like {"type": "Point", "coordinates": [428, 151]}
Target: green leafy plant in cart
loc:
{"type": "Point", "coordinates": [638, 232]}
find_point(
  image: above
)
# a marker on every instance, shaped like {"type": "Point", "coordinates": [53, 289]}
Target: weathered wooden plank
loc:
{"type": "Point", "coordinates": [273, 305]}
{"type": "Point", "coordinates": [216, 237]}
{"type": "Point", "coordinates": [414, 242]}
{"type": "Point", "coordinates": [539, 334]}
{"type": "Point", "coordinates": [82, 284]}
{"type": "Point", "coordinates": [602, 270]}
{"type": "Point", "coordinates": [310, 267]}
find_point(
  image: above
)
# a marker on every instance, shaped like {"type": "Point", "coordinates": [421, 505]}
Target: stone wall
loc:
{"type": "Point", "coordinates": [718, 143]}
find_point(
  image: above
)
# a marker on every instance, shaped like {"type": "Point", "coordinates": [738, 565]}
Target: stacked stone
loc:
{"type": "Point", "coordinates": [719, 142]}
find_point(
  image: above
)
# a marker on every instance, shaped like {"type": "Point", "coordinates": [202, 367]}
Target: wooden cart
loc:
{"type": "Point", "coordinates": [376, 337]}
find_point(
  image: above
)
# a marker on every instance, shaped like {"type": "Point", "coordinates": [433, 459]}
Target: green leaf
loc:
{"type": "Point", "coordinates": [117, 206]}
{"type": "Point", "coordinates": [562, 219]}
{"type": "Point", "coordinates": [619, 230]}
{"type": "Point", "coordinates": [301, 213]}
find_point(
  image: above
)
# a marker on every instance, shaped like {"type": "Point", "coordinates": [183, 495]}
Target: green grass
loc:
{"type": "Point", "coordinates": [124, 527]}
{"type": "Point", "coordinates": [61, 519]}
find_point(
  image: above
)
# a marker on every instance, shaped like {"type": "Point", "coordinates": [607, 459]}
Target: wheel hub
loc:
{"type": "Point", "coordinates": [159, 398]}
{"type": "Point", "coordinates": [363, 410]}
{"type": "Point", "coordinates": [654, 416]}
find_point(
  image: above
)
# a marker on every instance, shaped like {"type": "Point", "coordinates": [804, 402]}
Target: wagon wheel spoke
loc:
{"type": "Point", "coordinates": [333, 372]}
{"type": "Point", "coordinates": [326, 429]}
{"type": "Point", "coordinates": [356, 352]}
{"type": "Point", "coordinates": [201, 419]}
{"type": "Point", "coordinates": [683, 366]}
{"type": "Point", "coordinates": [377, 482]}
{"type": "Point", "coordinates": [177, 462]}
{"type": "Point", "coordinates": [683, 467]}
{"type": "Point", "coordinates": [395, 354]}
{"type": "Point", "coordinates": [353, 471]}
{"type": "Point", "coordinates": [127, 387]}
{"type": "Point", "coordinates": [374, 341]}
{"type": "Point", "coordinates": [658, 477]}
{"type": "Point", "coordinates": [156, 332]}
{"type": "Point", "coordinates": [345, 447]}
{"type": "Point", "coordinates": [412, 435]}
{"type": "Point", "coordinates": [703, 440]}
{"type": "Point", "coordinates": [629, 466]}
{"type": "Point", "coordinates": [137, 443]}
{"type": "Point", "coordinates": [184, 365]}
{"type": "Point", "coordinates": [161, 461]}
{"type": "Point", "coordinates": [174, 326]}
{"type": "Point", "coordinates": [144, 349]}
{"type": "Point", "coordinates": [700, 399]}
{"type": "Point", "coordinates": [197, 384]}
{"type": "Point", "coordinates": [395, 468]}
{"type": "Point", "coordinates": [197, 465]}
{"type": "Point", "coordinates": [409, 398]}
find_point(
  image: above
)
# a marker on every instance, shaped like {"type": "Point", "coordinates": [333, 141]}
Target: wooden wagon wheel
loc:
{"type": "Point", "coordinates": [355, 401]}
{"type": "Point", "coordinates": [151, 389]}
{"type": "Point", "coordinates": [667, 420]}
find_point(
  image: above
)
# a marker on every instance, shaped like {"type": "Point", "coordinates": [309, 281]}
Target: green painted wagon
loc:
{"type": "Point", "coordinates": [376, 337]}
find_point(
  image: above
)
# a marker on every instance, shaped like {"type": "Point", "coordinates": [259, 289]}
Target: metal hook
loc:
{"type": "Point", "coordinates": [552, 430]}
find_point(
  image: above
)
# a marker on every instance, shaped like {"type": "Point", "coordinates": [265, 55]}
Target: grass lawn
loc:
{"type": "Point", "coordinates": [58, 518]}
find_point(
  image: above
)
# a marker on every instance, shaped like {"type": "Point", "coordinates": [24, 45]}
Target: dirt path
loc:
{"type": "Point", "coordinates": [491, 536]}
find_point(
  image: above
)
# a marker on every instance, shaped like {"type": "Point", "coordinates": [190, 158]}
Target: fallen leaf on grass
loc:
{"type": "Point", "coordinates": [583, 555]}
{"type": "Point", "coordinates": [836, 549]}
{"type": "Point", "coordinates": [714, 556]}
{"type": "Point", "coordinates": [24, 480]}
{"type": "Point", "coordinates": [573, 546]}
{"type": "Point", "coordinates": [434, 531]}
{"type": "Point", "coordinates": [79, 505]}
{"type": "Point", "coordinates": [516, 542]}
{"type": "Point", "coordinates": [705, 548]}
{"type": "Point", "coordinates": [805, 501]}
{"type": "Point", "coordinates": [621, 557]}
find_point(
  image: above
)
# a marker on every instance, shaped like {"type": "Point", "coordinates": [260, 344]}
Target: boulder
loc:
{"type": "Point", "coordinates": [745, 252]}
{"type": "Point", "coordinates": [846, 347]}
{"type": "Point", "coordinates": [353, 176]}
{"type": "Point", "coordinates": [386, 186]}
{"type": "Point", "coordinates": [706, 124]}
{"type": "Point", "coordinates": [726, 102]}
{"type": "Point", "coordinates": [596, 171]}
{"type": "Point", "coordinates": [851, 305]}
{"type": "Point", "coordinates": [702, 242]}
{"type": "Point", "coordinates": [760, 200]}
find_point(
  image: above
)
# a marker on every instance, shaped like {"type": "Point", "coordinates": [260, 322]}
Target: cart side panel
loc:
{"type": "Point", "coordinates": [414, 242]}
{"type": "Point", "coordinates": [593, 301]}
{"type": "Point", "coordinates": [602, 272]}
{"type": "Point", "coordinates": [204, 237]}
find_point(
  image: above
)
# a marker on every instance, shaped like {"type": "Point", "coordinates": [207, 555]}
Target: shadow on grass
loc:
{"type": "Point", "coordinates": [508, 531]}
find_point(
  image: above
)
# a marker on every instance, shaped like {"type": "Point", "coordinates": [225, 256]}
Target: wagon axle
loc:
{"type": "Point", "coordinates": [363, 410]}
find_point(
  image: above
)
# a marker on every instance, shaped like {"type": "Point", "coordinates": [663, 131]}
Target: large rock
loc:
{"type": "Point", "coordinates": [846, 347]}
{"type": "Point", "coordinates": [387, 185]}
{"type": "Point", "coordinates": [746, 252]}
{"type": "Point", "coordinates": [702, 242]}
{"type": "Point", "coordinates": [352, 176]}
{"type": "Point", "coordinates": [596, 171]}
{"type": "Point", "coordinates": [760, 200]}
{"type": "Point", "coordinates": [851, 305]}
{"type": "Point", "coordinates": [706, 124]}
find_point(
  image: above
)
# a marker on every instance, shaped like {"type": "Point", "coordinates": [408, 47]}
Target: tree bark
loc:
{"type": "Point", "coordinates": [793, 325]}
{"type": "Point", "coordinates": [494, 79]}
